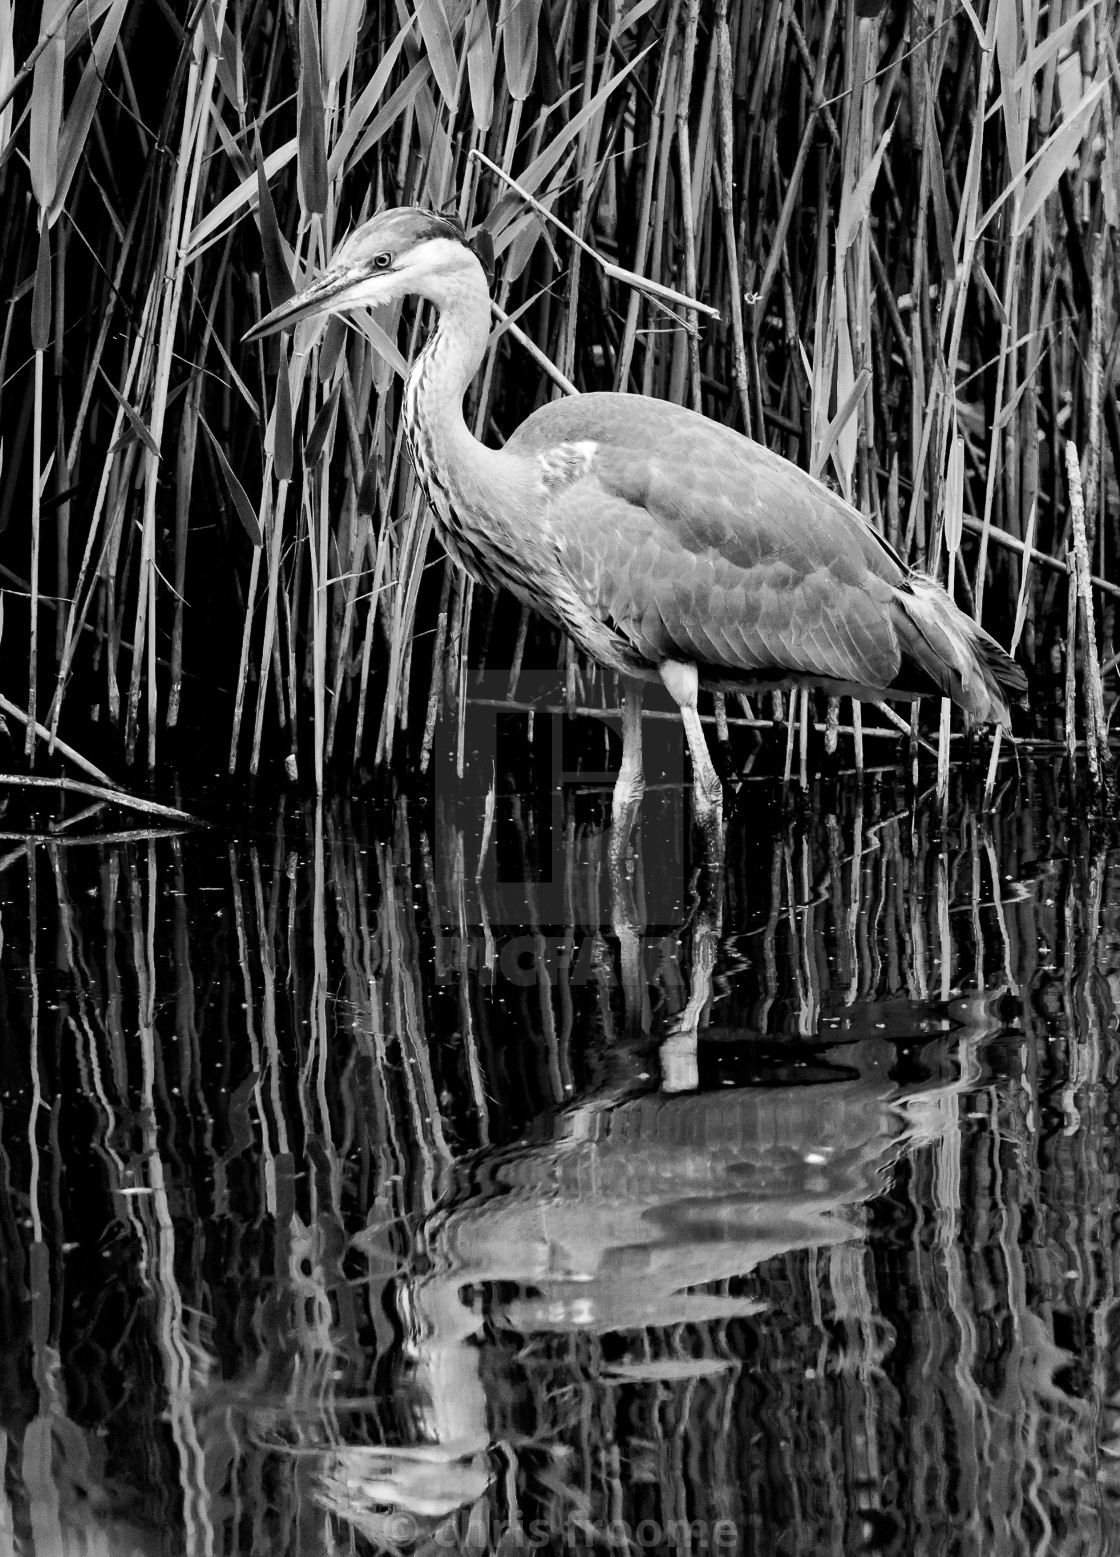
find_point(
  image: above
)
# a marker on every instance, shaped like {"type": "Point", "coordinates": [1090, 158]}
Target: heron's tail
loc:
{"type": "Point", "coordinates": [959, 657]}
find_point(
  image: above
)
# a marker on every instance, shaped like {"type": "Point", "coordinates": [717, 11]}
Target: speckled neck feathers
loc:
{"type": "Point", "coordinates": [479, 496]}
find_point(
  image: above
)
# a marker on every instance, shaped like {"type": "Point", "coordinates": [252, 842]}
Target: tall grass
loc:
{"type": "Point", "coordinates": [906, 219]}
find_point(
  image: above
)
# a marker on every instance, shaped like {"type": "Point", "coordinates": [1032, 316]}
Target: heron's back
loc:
{"type": "Point", "coordinates": [694, 542]}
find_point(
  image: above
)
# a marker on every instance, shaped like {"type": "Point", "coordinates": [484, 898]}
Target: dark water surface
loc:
{"type": "Point", "coordinates": [355, 1197]}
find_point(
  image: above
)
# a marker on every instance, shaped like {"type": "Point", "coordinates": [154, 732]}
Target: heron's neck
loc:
{"type": "Point", "coordinates": [442, 374]}
{"type": "Point", "coordinates": [448, 457]}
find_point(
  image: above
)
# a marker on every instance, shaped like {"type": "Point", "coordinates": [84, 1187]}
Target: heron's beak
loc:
{"type": "Point", "coordinates": [324, 295]}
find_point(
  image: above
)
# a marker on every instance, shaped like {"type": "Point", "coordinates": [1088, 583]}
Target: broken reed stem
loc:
{"type": "Point", "coordinates": [791, 721]}
{"type": "Point", "coordinates": [1096, 730]}
{"type": "Point", "coordinates": [915, 741]}
{"type": "Point", "coordinates": [857, 733]}
{"type": "Point", "coordinates": [900, 729]}
{"type": "Point", "coordinates": [618, 272]}
{"type": "Point", "coordinates": [993, 764]}
{"type": "Point", "coordinates": [487, 825]}
{"type": "Point", "coordinates": [543, 361]}
{"type": "Point", "coordinates": [719, 713]}
{"type": "Point", "coordinates": [832, 726]}
{"type": "Point", "coordinates": [1056, 564]}
{"type": "Point", "coordinates": [17, 713]}
{"type": "Point", "coordinates": [943, 756]}
{"type": "Point", "coordinates": [108, 792]}
{"type": "Point", "coordinates": [903, 726]}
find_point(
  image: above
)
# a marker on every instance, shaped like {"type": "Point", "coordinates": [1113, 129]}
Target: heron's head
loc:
{"type": "Point", "coordinates": [393, 255]}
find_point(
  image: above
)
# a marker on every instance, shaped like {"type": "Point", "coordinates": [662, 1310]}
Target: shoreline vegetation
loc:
{"type": "Point", "coordinates": [885, 240]}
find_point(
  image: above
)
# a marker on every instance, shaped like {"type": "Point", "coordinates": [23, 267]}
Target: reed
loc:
{"type": "Point", "coordinates": [906, 222]}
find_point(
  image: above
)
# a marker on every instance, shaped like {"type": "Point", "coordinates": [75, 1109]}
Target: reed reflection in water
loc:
{"type": "Point", "coordinates": [358, 1193]}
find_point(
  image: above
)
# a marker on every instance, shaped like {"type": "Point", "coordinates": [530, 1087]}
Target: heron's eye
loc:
{"type": "Point", "coordinates": [382, 261]}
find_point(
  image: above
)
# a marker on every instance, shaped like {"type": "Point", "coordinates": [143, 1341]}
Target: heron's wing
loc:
{"type": "Point", "coordinates": [695, 543]}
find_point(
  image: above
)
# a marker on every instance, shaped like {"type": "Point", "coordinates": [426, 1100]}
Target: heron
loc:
{"type": "Point", "coordinates": [668, 546]}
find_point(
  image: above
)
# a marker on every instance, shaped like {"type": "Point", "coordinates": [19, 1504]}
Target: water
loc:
{"type": "Point", "coordinates": [356, 1195]}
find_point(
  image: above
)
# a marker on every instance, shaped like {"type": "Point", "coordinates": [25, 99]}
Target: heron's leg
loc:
{"type": "Point", "coordinates": [679, 1065]}
{"type": "Point", "coordinates": [681, 678]}
{"type": "Point", "coordinates": [630, 785]}
{"type": "Point", "coordinates": [629, 927]}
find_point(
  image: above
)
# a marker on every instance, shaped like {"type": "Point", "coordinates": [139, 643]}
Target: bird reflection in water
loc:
{"type": "Point", "coordinates": [613, 1252]}
{"type": "Point", "coordinates": [380, 1198]}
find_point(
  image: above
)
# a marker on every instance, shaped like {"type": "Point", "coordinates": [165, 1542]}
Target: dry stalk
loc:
{"type": "Point", "coordinates": [1096, 725]}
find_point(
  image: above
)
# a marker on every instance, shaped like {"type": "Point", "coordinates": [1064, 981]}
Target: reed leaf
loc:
{"type": "Point", "coordinates": [220, 47]}
{"type": "Point", "coordinates": [320, 428]}
{"type": "Point", "coordinates": [371, 95]}
{"type": "Point", "coordinates": [244, 508]}
{"type": "Point", "coordinates": [46, 104]}
{"type": "Point", "coordinates": [481, 64]}
{"type": "Point", "coordinates": [79, 119]}
{"type": "Point", "coordinates": [7, 71]}
{"type": "Point", "coordinates": [311, 131]}
{"type": "Point", "coordinates": [41, 299]}
{"type": "Point", "coordinates": [342, 20]}
{"type": "Point", "coordinates": [436, 33]}
{"type": "Point", "coordinates": [519, 28]}
{"type": "Point", "coordinates": [400, 100]}
{"type": "Point", "coordinates": [1053, 157]}
{"type": "Point", "coordinates": [278, 278]}
{"type": "Point", "coordinates": [133, 420]}
{"type": "Point", "coordinates": [234, 205]}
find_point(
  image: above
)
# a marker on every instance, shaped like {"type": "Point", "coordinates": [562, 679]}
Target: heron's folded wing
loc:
{"type": "Point", "coordinates": [711, 550]}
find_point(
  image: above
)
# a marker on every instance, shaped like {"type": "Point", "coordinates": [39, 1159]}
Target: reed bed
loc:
{"type": "Point", "coordinates": [905, 218]}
